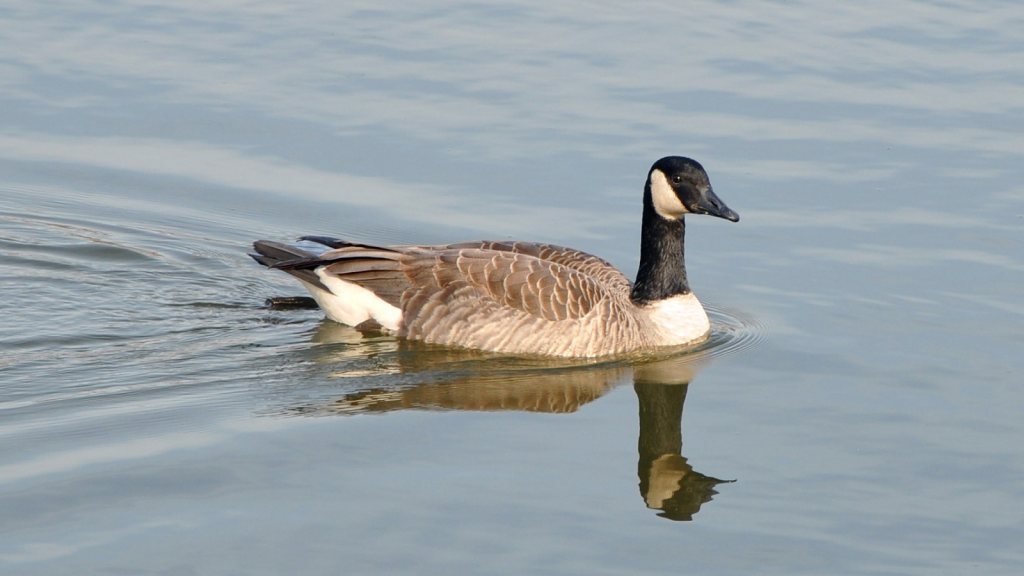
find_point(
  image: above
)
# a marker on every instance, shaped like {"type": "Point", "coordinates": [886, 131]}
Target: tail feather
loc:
{"type": "Point", "coordinates": [336, 242]}
{"type": "Point", "coordinates": [273, 254]}
{"type": "Point", "coordinates": [375, 268]}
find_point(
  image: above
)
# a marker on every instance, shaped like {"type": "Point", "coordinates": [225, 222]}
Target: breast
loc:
{"type": "Point", "coordinates": [677, 320]}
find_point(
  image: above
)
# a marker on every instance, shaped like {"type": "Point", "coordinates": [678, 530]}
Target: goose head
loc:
{"type": "Point", "coordinates": [678, 186]}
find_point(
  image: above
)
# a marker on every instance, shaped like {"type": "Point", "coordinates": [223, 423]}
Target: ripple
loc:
{"type": "Point", "coordinates": [733, 331]}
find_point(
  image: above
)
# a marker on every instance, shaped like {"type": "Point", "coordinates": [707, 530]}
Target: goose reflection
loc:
{"type": "Point", "coordinates": [667, 480]}
{"type": "Point", "coordinates": [392, 374]}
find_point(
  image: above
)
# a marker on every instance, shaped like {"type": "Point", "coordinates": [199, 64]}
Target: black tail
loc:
{"type": "Point", "coordinates": [277, 255]}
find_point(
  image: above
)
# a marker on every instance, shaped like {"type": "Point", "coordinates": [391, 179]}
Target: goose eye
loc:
{"type": "Point", "coordinates": [677, 179]}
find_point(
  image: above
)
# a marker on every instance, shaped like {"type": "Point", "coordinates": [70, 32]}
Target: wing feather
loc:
{"type": "Point", "coordinates": [588, 264]}
{"type": "Point", "coordinates": [524, 282]}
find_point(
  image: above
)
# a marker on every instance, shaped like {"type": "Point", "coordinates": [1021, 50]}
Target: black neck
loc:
{"type": "Point", "coordinates": [662, 273]}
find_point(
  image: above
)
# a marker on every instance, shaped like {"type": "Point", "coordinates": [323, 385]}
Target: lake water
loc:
{"type": "Point", "coordinates": [857, 411]}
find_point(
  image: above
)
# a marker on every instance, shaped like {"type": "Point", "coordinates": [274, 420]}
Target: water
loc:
{"type": "Point", "coordinates": [857, 411]}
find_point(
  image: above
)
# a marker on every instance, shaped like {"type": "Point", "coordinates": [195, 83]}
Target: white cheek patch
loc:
{"type": "Point", "coordinates": [666, 203]}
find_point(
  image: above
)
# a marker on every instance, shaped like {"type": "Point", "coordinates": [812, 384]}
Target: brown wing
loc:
{"type": "Point", "coordinates": [518, 280]}
{"type": "Point", "coordinates": [597, 268]}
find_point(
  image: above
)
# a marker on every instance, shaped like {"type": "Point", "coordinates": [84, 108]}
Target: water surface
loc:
{"type": "Point", "coordinates": [856, 412]}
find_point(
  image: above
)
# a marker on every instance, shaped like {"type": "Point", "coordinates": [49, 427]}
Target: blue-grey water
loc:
{"type": "Point", "coordinates": [857, 411]}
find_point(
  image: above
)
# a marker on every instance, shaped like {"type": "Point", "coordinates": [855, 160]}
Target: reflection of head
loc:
{"type": "Point", "coordinates": [673, 487]}
{"type": "Point", "coordinates": [667, 481]}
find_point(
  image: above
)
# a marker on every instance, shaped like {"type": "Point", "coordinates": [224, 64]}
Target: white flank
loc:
{"type": "Point", "coordinates": [680, 319]}
{"type": "Point", "coordinates": [666, 202]}
{"type": "Point", "coordinates": [351, 304]}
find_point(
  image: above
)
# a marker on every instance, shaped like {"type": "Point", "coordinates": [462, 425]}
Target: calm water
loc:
{"type": "Point", "coordinates": [858, 410]}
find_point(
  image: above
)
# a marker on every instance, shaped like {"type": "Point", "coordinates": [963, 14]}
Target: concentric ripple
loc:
{"type": "Point", "coordinates": [733, 331]}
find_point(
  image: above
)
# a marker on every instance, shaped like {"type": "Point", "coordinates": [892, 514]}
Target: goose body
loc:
{"type": "Point", "coordinates": [519, 297]}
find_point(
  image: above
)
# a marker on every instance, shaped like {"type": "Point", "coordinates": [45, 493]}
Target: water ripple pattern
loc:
{"type": "Point", "coordinates": [733, 331]}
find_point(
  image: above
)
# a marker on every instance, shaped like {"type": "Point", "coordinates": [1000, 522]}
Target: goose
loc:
{"type": "Point", "coordinates": [520, 297]}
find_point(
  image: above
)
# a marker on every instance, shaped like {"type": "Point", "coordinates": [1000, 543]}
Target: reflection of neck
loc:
{"type": "Point", "coordinates": [661, 415]}
{"type": "Point", "coordinates": [667, 481]}
{"type": "Point", "coordinates": [662, 272]}
{"type": "Point", "coordinates": [661, 440]}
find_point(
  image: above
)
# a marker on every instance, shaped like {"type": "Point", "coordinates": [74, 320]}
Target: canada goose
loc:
{"type": "Point", "coordinates": [520, 297]}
